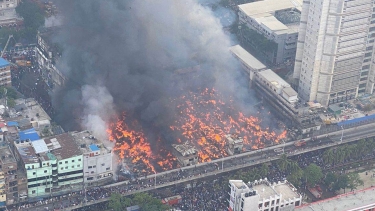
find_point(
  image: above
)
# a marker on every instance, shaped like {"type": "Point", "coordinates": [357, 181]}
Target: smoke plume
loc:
{"type": "Point", "coordinates": [124, 55]}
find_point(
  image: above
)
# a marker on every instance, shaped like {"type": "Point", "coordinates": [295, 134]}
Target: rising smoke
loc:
{"type": "Point", "coordinates": [122, 55]}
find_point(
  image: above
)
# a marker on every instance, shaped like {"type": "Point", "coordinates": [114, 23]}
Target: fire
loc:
{"type": "Point", "coordinates": [203, 119]}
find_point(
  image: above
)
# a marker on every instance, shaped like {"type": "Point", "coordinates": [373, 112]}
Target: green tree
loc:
{"type": "Point", "coordinates": [11, 92]}
{"type": "Point", "coordinates": [11, 102]}
{"type": "Point", "coordinates": [116, 202]}
{"type": "Point", "coordinates": [312, 174]}
{"type": "Point", "coordinates": [329, 156]}
{"type": "Point", "coordinates": [264, 169]}
{"type": "Point", "coordinates": [341, 183]}
{"type": "Point", "coordinates": [354, 180]}
{"type": "Point", "coordinates": [283, 162]}
{"type": "Point", "coordinates": [330, 179]}
{"type": "Point", "coordinates": [148, 203]}
{"type": "Point", "coordinates": [295, 176]}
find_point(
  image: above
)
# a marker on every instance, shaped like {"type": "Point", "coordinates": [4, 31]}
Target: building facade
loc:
{"type": "Point", "coordinates": [47, 56]}
{"type": "Point", "coordinates": [5, 74]}
{"type": "Point", "coordinates": [8, 171]}
{"type": "Point", "coordinates": [53, 165]}
{"type": "Point", "coordinates": [263, 196]}
{"type": "Point", "coordinates": [97, 158]}
{"type": "Point", "coordinates": [276, 20]}
{"type": "Point", "coordinates": [334, 59]}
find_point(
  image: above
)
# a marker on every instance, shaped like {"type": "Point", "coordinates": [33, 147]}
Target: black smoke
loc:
{"type": "Point", "coordinates": [122, 55]}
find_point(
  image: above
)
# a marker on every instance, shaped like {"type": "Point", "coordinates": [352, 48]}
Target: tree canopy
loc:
{"type": "Point", "coordinates": [312, 174]}
{"type": "Point", "coordinates": [145, 201]}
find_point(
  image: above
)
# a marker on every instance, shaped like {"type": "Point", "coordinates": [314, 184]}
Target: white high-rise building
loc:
{"type": "Point", "coordinates": [334, 58]}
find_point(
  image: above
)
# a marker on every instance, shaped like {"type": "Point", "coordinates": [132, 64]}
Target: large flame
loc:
{"type": "Point", "coordinates": [203, 120]}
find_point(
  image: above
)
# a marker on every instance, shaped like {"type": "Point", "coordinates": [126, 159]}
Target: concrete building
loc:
{"type": "Point", "coordinates": [362, 200]}
{"type": "Point", "coordinates": [334, 59]}
{"type": "Point", "coordinates": [263, 196]}
{"type": "Point", "coordinates": [5, 74]}
{"type": "Point", "coordinates": [276, 20]}
{"type": "Point", "coordinates": [8, 15]}
{"type": "Point", "coordinates": [53, 165]}
{"type": "Point", "coordinates": [234, 144]}
{"type": "Point", "coordinates": [48, 54]}
{"type": "Point", "coordinates": [248, 62]}
{"type": "Point", "coordinates": [185, 153]}
{"type": "Point", "coordinates": [97, 158]}
{"type": "Point", "coordinates": [8, 172]}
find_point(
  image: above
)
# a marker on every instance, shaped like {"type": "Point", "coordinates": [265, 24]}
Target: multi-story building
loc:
{"type": "Point", "coordinates": [5, 75]}
{"type": "Point", "coordinates": [263, 196]}
{"type": "Point", "coordinates": [361, 200]}
{"type": "Point", "coordinates": [334, 59]}
{"type": "Point", "coordinates": [53, 165]}
{"type": "Point", "coordinates": [97, 158]}
{"type": "Point", "coordinates": [276, 20]}
{"type": "Point", "coordinates": [47, 56]}
{"type": "Point", "coordinates": [186, 154]}
{"type": "Point", "coordinates": [8, 169]}
{"type": "Point", "coordinates": [8, 15]}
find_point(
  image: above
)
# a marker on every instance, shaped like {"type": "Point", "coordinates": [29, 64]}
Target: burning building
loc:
{"type": "Point", "coordinates": [234, 144]}
{"type": "Point", "coordinates": [185, 153]}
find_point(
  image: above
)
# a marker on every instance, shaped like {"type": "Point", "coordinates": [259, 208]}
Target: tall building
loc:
{"type": "Point", "coordinates": [263, 196]}
{"type": "Point", "coordinates": [5, 75]}
{"type": "Point", "coordinates": [334, 59]}
{"type": "Point", "coordinates": [276, 20]}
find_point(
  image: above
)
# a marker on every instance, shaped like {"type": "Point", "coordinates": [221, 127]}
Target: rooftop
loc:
{"type": "Point", "coordinates": [286, 190]}
{"type": "Point", "coordinates": [27, 153]}
{"type": "Point", "coordinates": [89, 143]}
{"type": "Point", "coordinates": [65, 146]}
{"type": "Point", "coordinates": [268, 7]}
{"type": "Point", "coordinates": [238, 183]}
{"type": "Point", "coordinates": [357, 200]}
{"type": "Point", "coordinates": [185, 149]}
{"type": "Point", "coordinates": [6, 155]}
{"type": "Point", "coordinates": [3, 62]}
{"type": "Point", "coordinates": [274, 79]}
{"type": "Point", "coordinates": [265, 189]}
{"type": "Point", "coordinates": [247, 58]}
{"type": "Point", "coordinates": [290, 91]}
{"type": "Point", "coordinates": [276, 15]}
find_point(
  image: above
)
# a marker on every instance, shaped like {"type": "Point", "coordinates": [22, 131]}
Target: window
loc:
{"type": "Point", "coordinates": [60, 162]}
{"type": "Point", "coordinates": [90, 167]}
{"type": "Point", "coordinates": [90, 178]}
{"type": "Point", "coordinates": [45, 171]}
{"type": "Point", "coordinates": [66, 167]}
{"type": "Point", "coordinates": [103, 164]}
{"type": "Point", "coordinates": [73, 166]}
{"type": "Point", "coordinates": [107, 169]}
{"type": "Point", "coordinates": [92, 172]}
{"type": "Point", "coordinates": [94, 166]}
{"type": "Point", "coordinates": [66, 162]}
{"type": "Point", "coordinates": [78, 165]}
{"type": "Point", "coordinates": [79, 159]}
{"type": "Point", "coordinates": [61, 168]}
{"type": "Point", "coordinates": [72, 161]}
{"type": "Point", "coordinates": [34, 173]}
{"type": "Point", "coordinates": [33, 192]}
